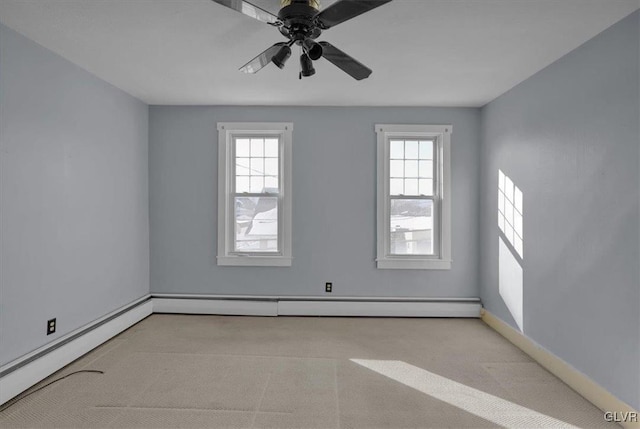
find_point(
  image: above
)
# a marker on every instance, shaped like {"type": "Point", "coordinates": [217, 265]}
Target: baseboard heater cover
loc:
{"type": "Point", "coordinates": [227, 307]}
{"type": "Point", "coordinates": [378, 309]}
{"type": "Point", "coordinates": [316, 306]}
{"type": "Point", "coordinates": [20, 374]}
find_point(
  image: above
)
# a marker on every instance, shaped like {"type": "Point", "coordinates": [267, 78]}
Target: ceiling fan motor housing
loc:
{"type": "Point", "coordinates": [298, 18]}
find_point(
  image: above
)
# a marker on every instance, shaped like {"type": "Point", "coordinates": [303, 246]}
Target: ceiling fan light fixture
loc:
{"type": "Point", "coordinates": [281, 57]}
{"type": "Point", "coordinates": [306, 66]}
{"type": "Point", "coordinates": [312, 48]}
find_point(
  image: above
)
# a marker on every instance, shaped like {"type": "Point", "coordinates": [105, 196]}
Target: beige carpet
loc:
{"type": "Point", "coordinates": [174, 371]}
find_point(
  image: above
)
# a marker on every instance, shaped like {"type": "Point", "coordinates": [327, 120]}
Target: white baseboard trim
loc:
{"type": "Point", "coordinates": [315, 306]}
{"type": "Point", "coordinates": [581, 383]}
{"type": "Point", "coordinates": [28, 370]}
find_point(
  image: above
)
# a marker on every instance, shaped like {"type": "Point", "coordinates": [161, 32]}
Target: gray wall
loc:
{"type": "Point", "coordinates": [73, 196]}
{"type": "Point", "coordinates": [334, 204]}
{"type": "Point", "coordinates": [569, 138]}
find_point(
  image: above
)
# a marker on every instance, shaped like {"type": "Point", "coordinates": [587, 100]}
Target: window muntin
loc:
{"type": "Point", "coordinates": [414, 209]}
{"type": "Point", "coordinates": [254, 194]}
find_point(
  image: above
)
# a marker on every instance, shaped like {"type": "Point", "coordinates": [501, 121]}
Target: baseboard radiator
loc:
{"type": "Point", "coordinates": [22, 373]}
{"type": "Point", "coordinates": [315, 306]}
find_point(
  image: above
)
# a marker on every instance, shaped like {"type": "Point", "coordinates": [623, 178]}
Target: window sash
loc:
{"type": "Point", "coordinates": [404, 160]}
{"type": "Point", "coordinates": [435, 230]}
{"type": "Point", "coordinates": [233, 224]}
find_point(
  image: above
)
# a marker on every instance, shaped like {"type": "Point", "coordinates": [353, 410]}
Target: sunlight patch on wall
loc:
{"type": "Point", "coordinates": [510, 212]}
{"type": "Point", "coordinates": [491, 408]}
{"type": "Point", "coordinates": [511, 283]}
{"type": "Point", "coordinates": [510, 221]}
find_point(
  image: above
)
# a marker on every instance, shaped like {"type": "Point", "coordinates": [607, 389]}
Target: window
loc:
{"type": "Point", "coordinates": [414, 202]}
{"type": "Point", "coordinates": [254, 194]}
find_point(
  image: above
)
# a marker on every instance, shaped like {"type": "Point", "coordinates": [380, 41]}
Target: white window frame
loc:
{"type": "Point", "coordinates": [226, 177]}
{"type": "Point", "coordinates": [441, 136]}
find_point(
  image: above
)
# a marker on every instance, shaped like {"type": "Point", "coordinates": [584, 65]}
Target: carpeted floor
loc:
{"type": "Point", "coordinates": [175, 371]}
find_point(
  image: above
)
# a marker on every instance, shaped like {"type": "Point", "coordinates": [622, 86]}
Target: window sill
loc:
{"type": "Point", "coordinates": [254, 261]}
{"type": "Point", "coordinates": [413, 264]}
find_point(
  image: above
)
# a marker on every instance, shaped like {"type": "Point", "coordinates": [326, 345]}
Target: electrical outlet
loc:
{"type": "Point", "coordinates": [328, 287]}
{"type": "Point", "coordinates": [51, 326]}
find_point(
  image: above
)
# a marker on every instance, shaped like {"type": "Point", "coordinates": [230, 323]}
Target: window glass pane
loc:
{"type": "Point", "coordinates": [411, 187]}
{"type": "Point", "coordinates": [257, 147]}
{"type": "Point", "coordinates": [397, 149]}
{"type": "Point", "coordinates": [426, 187]}
{"type": "Point", "coordinates": [396, 187]}
{"type": "Point", "coordinates": [411, 227]}
{"type": "Point", "coordinates": [242, 148]}
{"type": "Point", "coordinates": [271, 184]}
{"type": "Point", "coordinates": [242, 184]}
{"type": "Point", "coordinates": [426, 150]}
{"type": "Point", "coordinates": [426, 169]}
{"type": "Point", "coordinates": [271, 166]}
{"type": "Point", "coordinates": [271, 148]}
{"type": "Point", "coordinates": [256, 224]}
{"type": "Point", "coordinates": [397, 169]}
{"type": "Point", "coordinates": [411, 149]}
{"type": "Point", "coordinates": [411, 169]}
{"type": "Point", "coordinates": [242, 166]}
{"type": "Point", "coordinates": [257, 166]}
{"type": "Point", "coordinates": [257, 184]}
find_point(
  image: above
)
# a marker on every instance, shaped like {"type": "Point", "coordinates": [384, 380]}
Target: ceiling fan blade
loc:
{"type": "Point", "coordinates": [347, 64]}
{"type": "Point", "coordinates": [344, 10]}
{"type": "Point", "coordinates": [251, 10]}
{"type": "Point", "coordinates": [256, 64]}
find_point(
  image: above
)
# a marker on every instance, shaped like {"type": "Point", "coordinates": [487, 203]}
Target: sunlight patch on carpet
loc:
{"type": "Point", "coordinates": [489, 407]}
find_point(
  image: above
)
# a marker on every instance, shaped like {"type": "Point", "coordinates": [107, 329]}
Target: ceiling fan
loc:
{"type": "Point", "coordinates": [301, 21]}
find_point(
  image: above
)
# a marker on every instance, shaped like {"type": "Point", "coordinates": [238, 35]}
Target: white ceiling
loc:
{"type": "Point", "coordinates": [422, 52]}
